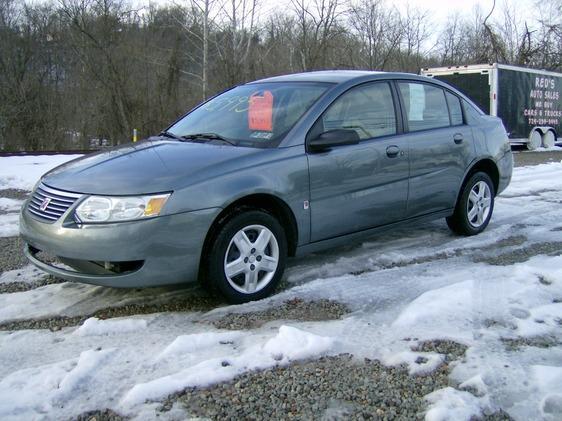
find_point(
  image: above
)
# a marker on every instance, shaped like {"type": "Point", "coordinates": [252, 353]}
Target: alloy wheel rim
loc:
{"type": "Point", "coordinates": [479, 204]}
{"type": "Point", "coordinates": [251, 259]}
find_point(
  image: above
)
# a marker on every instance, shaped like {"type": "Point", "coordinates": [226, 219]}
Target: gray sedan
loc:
{"type": "Point", "coordinates": [266, 170]}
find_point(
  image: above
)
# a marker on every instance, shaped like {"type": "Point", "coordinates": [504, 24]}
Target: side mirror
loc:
{"type": "Point", "coordinates": [335, 137]}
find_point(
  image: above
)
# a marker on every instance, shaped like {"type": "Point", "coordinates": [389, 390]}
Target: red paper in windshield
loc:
{"type": "Point", "coordinates": [260, 113]}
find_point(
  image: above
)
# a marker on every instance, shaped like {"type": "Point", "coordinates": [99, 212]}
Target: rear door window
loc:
{"type": "Point", "coordinates": [472, 114]}
{"type": "Point", "coordinates": [455, 109]}
{"type": "Point", "coordinates": [425, 106]}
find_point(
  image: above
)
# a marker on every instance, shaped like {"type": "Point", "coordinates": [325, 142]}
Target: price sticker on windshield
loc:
{"type": "Point", "coordinates": [260, 113]}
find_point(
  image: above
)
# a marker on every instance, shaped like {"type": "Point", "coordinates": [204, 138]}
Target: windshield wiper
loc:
{"type": "Point", "coordinates": [208, 136]}
{"type": "Point", "coordinates": [170, 135]}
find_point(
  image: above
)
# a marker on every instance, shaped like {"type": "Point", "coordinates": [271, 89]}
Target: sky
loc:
{"type": "Point", "coordinates": [439, 12]}
{"type": "Point", "coordinates": [439, 9]}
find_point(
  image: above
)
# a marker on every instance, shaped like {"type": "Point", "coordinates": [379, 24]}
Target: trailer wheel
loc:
{"type": "Point", "coordinates": [548, 139]}
{"type": "Point", "coordinates": [535, 140]}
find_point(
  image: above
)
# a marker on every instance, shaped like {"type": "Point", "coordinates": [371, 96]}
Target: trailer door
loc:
{"type": "Point", "coordinates": [476, 86]}
{"type": "Point", "coordinates": [440, 147]}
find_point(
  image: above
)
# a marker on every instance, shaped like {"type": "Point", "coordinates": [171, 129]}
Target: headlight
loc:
{"type": "Point", "coordinates": [124, 208]}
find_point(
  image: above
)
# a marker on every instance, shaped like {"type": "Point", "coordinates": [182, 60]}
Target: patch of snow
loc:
{"type": "Point", "coordinates": [39, 390]}
{"type": "Point", "coordinates": [417, 362]}
{"type": "Point", "coordinates": [96, 327]}
{"type": "Point", "coordinates": [195, 342]}
{"type": "Point", "coordinates": [452, 304]}
{"type": "Point", "coordinates": [450, 404]}
{"type": "Point", "coordinates": [292, 344]}
{"type": "Point", "coordinates": [10, 205]}
{"type": "Point", "coordinates": [9, 225]}
{"type": "Point", "coordinates": [28, 274]}
{"type": "Point", "coordinates": [475, 383]}
{"type": "Point", "coordinates": [277, 350]}
{"type": "Point", "coordinates": [549, 380]}
{"type": "Point", "coordinates": [22, 172]}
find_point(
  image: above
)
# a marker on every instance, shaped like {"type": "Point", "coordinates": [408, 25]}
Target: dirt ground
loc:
{"type": "Point", "coordinates": [524, 157]}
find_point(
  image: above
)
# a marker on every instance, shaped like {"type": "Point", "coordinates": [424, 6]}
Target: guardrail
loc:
{"type": "Point", "coordinates": [37, 153]}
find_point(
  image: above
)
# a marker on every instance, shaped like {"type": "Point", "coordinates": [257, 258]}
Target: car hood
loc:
{"type": "Point", "coordinates": [143, 168]}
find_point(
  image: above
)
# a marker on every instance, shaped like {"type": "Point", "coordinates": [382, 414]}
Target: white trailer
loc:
{"type": "Point", "coordinates": [528, 101]}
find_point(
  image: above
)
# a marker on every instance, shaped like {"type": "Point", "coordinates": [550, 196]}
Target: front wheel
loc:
{"type": "Point", "coordinates": [475, 206]}
{"type": "Point", "coordinates": [247, 258]}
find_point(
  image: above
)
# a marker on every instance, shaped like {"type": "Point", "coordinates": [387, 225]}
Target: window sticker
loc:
{"type": "Point", "coordinates": [261, 135]}
{"type": "Point", "coordinates": [417, 102]}
{"type": "Point", "coordinates": [237, 104]}
{"type": "Point", "coordinates": [260, 113]}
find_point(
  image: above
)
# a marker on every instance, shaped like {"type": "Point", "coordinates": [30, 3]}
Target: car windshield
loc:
{"type": "Point", "coordinates": [258, 114]}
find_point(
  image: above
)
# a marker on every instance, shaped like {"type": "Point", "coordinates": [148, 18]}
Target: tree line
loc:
{"type": "Point", "coordinates": [76, 74]}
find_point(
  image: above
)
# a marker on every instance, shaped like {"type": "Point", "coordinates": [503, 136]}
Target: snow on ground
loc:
{"type": "Point", "coordinates": [10, 205]}
{"type": "Point", "coordinates": [414, 284]}
{"type": "Point", "coordinates": [22, 172]}
{"type": "Point", "coordinates": [95, 327]}
{"type": "Point", "coordinates": [28, 274]}
{"type": "Point", "coordinates": [9, 224]}
{"type": "Point", "coordinates": [9, 210]}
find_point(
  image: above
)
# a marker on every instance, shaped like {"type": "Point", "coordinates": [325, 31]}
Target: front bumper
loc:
{"type": "Point", "coordinates": [168, 247]}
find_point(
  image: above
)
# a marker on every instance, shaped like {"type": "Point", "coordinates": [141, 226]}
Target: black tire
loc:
{"type": "Point", "coordinates": [460, 222]}
{"type": "Point", "coordinates": [252, 223]}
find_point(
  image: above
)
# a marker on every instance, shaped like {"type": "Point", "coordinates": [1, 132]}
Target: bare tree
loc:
{"type": "Point", "coordinates": [318, 24]}
{"type": "Point", "coordinates": [234, 40]}
{"type": "Point", "coordinates": [380, 30]}
{"type": "Point", "coordinates": [415, 36]}
{"type": "Point", "coordinates": [549, 34]}
{"type": "Point", "coordinates": [83, 69]}
{"type": "Point", "coordinates": [94, 37]}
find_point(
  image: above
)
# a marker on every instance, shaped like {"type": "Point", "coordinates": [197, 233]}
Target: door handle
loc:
{"type": "Point", "coordinates": [458, 138]}
{"type": "Point", "coordinates": [392, 151]}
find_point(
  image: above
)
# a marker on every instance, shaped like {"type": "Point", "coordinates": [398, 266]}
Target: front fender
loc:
{"type": "Point", "coordinates": [285, 177]}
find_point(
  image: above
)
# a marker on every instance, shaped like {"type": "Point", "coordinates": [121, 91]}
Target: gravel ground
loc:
{"type": "Point", "coordinates": [295, 309]}
{"type": "Point", "coordinates": [328, 388]}
{"type": "Point", "coordinates": [451, 350]}
{"type": "Point", "coordinates": [513, 344]}
{"type": "Point", "coordinates": [11, 254]}
{"type": "Point", "coordinates": [26, 286]}
{"type": "Point", "coordinates": [102, 415]}
{"type": "Point", "coordinates": [190, 302]}
{"type": "Point", "coordinates": [331, 388]}
{"type": "Point", "coordinates": [14, 194]}
{"type": "Point", "coordinates": [515, 240]}
{"type": "Point", "coordinates": [523, 158]}
{"type": "Point", "coordinates": [521, 254]}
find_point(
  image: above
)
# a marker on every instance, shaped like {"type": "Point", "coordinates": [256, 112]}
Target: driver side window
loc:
{"type": "Point", "coordinates": [367, 109]}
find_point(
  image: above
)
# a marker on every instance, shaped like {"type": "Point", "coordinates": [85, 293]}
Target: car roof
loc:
{"type": "Point", "coordinates": [330, 76]}
{"type": "Point", "coordinates": [355, 77]}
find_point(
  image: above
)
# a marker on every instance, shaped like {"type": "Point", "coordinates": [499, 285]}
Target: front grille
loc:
{"type": "Point", "coordinates": [48, 204]}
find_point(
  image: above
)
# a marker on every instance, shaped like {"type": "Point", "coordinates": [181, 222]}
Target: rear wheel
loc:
{"type": "Point", "coordinates": [247, 259]}
{"type": "Point", "coordinates": [475, 206]}
{"type": "Point", "coordinates": [535, 140]}
{"type": "Point", "coordinates": [548, 139]}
